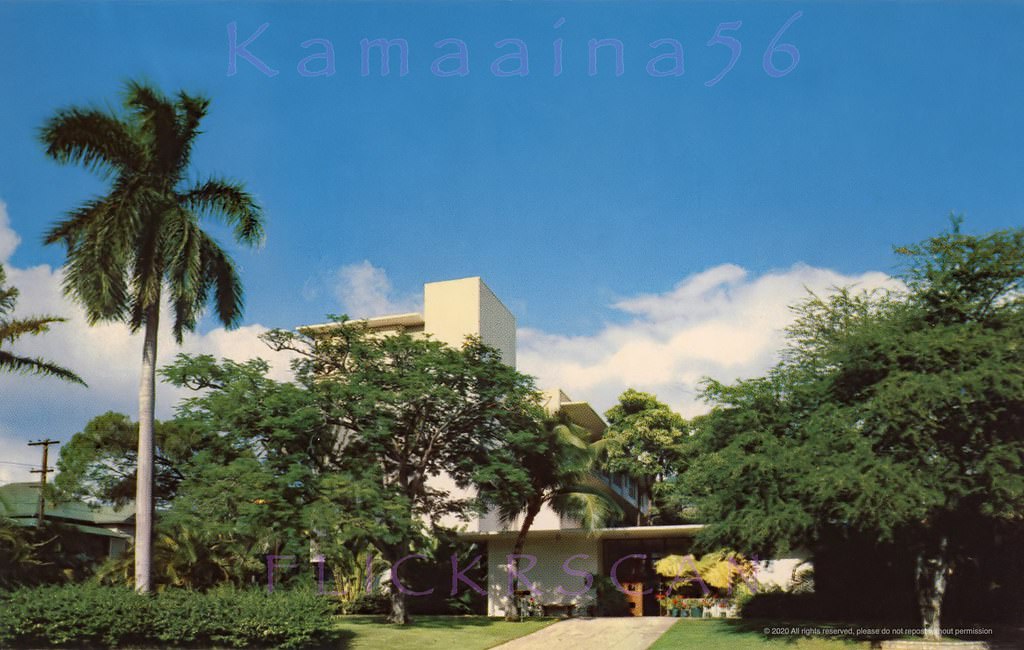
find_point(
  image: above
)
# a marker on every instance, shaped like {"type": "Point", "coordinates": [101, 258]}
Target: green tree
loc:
{"type": "Point", "coordinates": [403, 411]}
{"type": "Point", "coordinates": [895, 416]}
{"type": "Point", "coordinates": [549, 463]}
{"type": "Point", "coordinates": [248, 492]}
{"type": "Point", "coordinates": [142, 241]}
{"type": "Point", "coordinates": [11, 329]}
{"type": "Point", "coordinates": [99, 462]}
{"type": "Point", "coordinates": [642, 440]}
{"type": "Point", "coordinates": [238, 466]}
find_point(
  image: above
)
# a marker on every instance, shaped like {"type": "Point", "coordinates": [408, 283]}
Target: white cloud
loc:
{"type": "Point", "coordinates": [364, 290]}
{"type": "Point", "coordinates": [9, 239]}
{"type": "Point", "coordinates": [107, 356]}
{"type": "Point", "coordinates": [17, 460]}
{"type": "Point", "coordinates": [719, 323]}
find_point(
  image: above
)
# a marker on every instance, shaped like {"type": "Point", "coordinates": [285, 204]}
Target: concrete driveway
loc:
{"type": "Point", "coordinates": [626, 633]}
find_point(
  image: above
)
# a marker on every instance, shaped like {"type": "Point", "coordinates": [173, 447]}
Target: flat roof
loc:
{"type": "Point", "coordinates": [583, 414]}
{"type": "Point", "coordinates": [625, 532]}
{"type": "Point", "coordinates": [412, 319]}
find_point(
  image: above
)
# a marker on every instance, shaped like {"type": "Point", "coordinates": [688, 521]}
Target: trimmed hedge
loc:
{"type": "Point", "coordinates": [91, 615]}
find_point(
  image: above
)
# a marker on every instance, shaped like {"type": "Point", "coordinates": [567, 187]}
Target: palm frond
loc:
{"type": "Point", "coordinates": [8, 295]}
{"type": "Point", "coordinates": [189, 287]}
{"type": "Point", "coordinates": [159, 125]}
{"type": "Point", "coordinates": [94, 277]}
{"type": "Point", "coordinates": [572, 435]}
{"type": "Point", "coordinates": [149, 257]}
{"type": "Point", "coordinates": [33, 326]}
{"type": "Point", "coordinates": [220, 270]}
{"type": "Point", "coordinates": [36, 366]}
{"type": "Point", "coordinates": [191, 110]}
{"type": "Point", "coordinates": [13, 328]}
{"type": "Point", "coordinates": [98, 140]}
{"type": "Point", "coordinates": [229, 203]}
{"type": "Point", "coordinates": [591, 507]}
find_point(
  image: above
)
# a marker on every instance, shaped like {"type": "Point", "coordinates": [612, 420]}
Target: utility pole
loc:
{"type": "Point", "coordinates": [45, 444]}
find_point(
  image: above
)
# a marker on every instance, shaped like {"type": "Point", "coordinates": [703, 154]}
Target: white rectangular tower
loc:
{"type": "Point", "coordinates": [454, 309]}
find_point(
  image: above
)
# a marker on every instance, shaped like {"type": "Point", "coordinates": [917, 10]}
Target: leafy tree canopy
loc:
{"type": "Point", "coordinates": [403, 411]}
{"type": "Point", "coordinates": [642, 433]}
{"type": "Point", "coordinates": [98, 463]}
{"type": "Point", "coordinates": [895, 414]}
{"type": "Point", "coordinates": [642, 440]}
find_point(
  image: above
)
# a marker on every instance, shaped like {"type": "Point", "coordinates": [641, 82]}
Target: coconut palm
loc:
{"type": "Point", "coordinates": [559, 462]}
{"type": "Point", "coordinates": [11, 329]}
{"type": "Point", "coordinates": [141, 242]}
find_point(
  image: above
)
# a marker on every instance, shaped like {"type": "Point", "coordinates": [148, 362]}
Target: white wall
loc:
{"type": "Point", "coordinates": [547, 575]}
{"type": "Point", "coordinates": [779, 572]}
{"type": "Point", "coordinates": [454, 309]}
{"type": "Point", "coordinates": [497, 325]}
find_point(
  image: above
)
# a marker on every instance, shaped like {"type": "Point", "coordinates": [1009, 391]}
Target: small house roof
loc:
{"type": "Point", "coordinates": [21, 500]}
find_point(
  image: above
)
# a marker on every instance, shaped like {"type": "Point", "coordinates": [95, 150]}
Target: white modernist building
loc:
{"type": "Point", "coordinates": [565, 554]}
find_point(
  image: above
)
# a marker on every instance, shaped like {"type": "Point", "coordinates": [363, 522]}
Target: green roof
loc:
{"type": "Point", "coordinates": [21, 500]}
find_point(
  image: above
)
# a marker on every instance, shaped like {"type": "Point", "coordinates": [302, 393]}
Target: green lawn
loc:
{"type": "Point", "coordinates": [746, 635]}
{"type": "Point", "coordinates": [426, 632]}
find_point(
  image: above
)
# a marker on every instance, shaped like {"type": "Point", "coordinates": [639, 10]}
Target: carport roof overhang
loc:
{"type": "Point", "coordinates": [628, 532]}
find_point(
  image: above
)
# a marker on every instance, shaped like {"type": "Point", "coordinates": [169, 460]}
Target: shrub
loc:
{"type": "Point", "coordinates": [779, 605]}
{"type": "Point", "coordinates": [92, 615]}
{"type": "Point", "coordinates": [372, 603]}
{"type": "Point", "coordinates": [610, 600]}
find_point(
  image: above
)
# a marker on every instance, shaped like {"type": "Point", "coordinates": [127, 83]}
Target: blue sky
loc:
{"type": "Point", "coordinates": [569, 194]}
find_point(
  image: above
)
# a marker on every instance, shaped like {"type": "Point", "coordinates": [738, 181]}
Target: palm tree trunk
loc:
{"type": "Point", "coordinates": [144, 475]}
{"type": "Point", "coordinates": [513, 613]}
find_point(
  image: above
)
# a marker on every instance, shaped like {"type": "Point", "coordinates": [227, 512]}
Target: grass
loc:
{"type": "Point", "coordinates": [427, 632]}
{"type": "Point", "coordinates": [749, 635]}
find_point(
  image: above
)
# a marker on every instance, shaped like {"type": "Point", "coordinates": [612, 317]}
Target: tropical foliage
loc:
{"type": "Point", "coordinates": [721, 569]}
{"type": "Point", "coordinates": [51, 553]}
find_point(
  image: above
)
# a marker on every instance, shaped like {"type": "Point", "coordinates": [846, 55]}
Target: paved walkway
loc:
{"type": "Point", "coordinates": [627, 633]}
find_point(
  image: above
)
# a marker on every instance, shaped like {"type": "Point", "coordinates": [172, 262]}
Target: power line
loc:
{"type": "Point", "coordinates": [11, 462]}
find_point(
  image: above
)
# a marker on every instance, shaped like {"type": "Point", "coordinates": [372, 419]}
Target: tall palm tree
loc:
{"type": "Point", "coordinates": [560, 463]}
{"type": "Point", "coordinates": [142, 240]}
{"type": "Point", "coordinates": [11, 329]}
